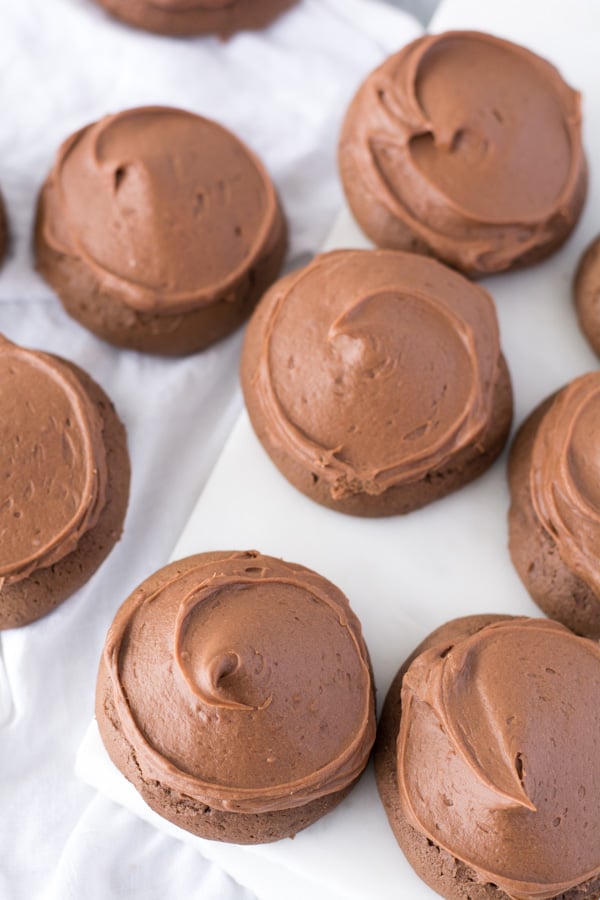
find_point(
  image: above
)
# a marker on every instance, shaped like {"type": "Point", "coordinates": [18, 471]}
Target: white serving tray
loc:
{"type": "Point", "coordinates": [404, 576]}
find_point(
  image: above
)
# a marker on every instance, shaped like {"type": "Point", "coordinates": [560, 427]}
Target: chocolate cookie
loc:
{"type": "Point", "coordinates": [485, 760]}
{"type": "Point", "coordinates": [191, 17]}
{"type": "Point", "coordinates": [65, 476]}
{"type": "Point", "coordinates": [235, 693]}
{"type": "Point", "coordinates": [159, 230]}
{"type": "Point", "coordinates": [375, 381]}
{"type": "Point", "coordinates": [587, 294]}
{"type": "Point", "coordinates": [554, 518]}
{"type": "Point", "coordinates": [468, 148]}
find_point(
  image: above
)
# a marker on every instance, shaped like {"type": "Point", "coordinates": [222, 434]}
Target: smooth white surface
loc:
{"type": "Point", "coordinates": [63, 63]}
{"type": "Point", "coordinates": [403, 576]}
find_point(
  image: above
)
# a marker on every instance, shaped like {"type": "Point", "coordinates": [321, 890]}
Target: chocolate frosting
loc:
{"type": "Point", "coordinates": [244, 683]}
{"type": "Point", "coordinates": [565, 476]}
{"type": "Point", "coordinates": [52, 461]}
{"type": "Point", "coordinates": [376, 367]}
{"type": "Point", "coordinates": [497, 755]}
{"type": "Point", "coordinates": [168, 209]}
{"type": "Point", "coordinates": [474, 144]}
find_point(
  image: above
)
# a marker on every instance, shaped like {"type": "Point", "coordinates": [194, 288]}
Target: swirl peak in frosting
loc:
{"type": "Point", "coordinates": [168, 209]}
{"type": "Point", "coordinates": [243, 681]}
{"type": "Point", "coordinates": [375, 367]}
{"type": "Point", "coordinates": [496, 754]}
{"type": "Point", "coordinates": [468, 147]}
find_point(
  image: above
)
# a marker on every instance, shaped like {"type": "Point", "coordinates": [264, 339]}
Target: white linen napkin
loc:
{"type": "Point", "coordinates": [62, 64]}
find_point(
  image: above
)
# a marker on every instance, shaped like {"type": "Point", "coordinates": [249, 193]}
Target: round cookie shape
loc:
{"type": "Point", "coordinates": [587, 294]}
{"type": "Point", "coordinates": [65, 481]}
{"type": "Point", "coordinates": [554, 518]}
{"type": "Point", "coordinates": [159, 230]}
{"type": "Point", "coordinates": [195, 17]}
{"type": "Point", "coordinates": [468, 148]}
{"type": "Point", "coordinates": [235, 692]}
{"type": "Point", "coordinates": [485, 760]}
{"type": "Point", "coordinates": [375, 380]}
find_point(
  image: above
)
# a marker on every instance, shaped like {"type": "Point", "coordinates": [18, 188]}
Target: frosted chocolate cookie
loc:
{"type": "Point", "coordinates": [554, 518]}
{"type": "Point", "coordinates": [467, 148]}
{"type": "Point", "coordinates": [159, 230]}
{"type": "Point", "coordinates": [587, 294]}
{"type": "Point", "coordinates": [64, 476]}
{"type": "Point", "coordinates": [486, 760]}
{"type": "Point", "coordinates": [193, 17]}
{"type": "Point", "coordinates": [375, 380]}
{"type": "Point", "coordinates": [235, 693]}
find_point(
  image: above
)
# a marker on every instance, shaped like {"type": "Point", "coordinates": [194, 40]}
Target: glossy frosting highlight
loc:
{"type": "Point", "coordinates": [496, 754]}
{"type": "Point", "coordinates": [376, 367]}
{"type": "Point", "coordinates": [168, 209]}
{"type": "Point", "coordinates": [244, 683]}
{"type": "Point", "coordinates": [473, 145]}
{"type": "Point", "coordinates": [53, 462]}
{"type": "Point", "coordinates": [565, 476]}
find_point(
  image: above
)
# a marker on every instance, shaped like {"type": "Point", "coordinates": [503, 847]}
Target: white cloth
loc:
{"type": "Point", "coordinates": [62, 64]}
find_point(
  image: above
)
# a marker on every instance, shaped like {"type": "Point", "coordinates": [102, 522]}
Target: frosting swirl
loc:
{"type": "Point", "coordinates": [565, 476]}
{"type": "Point", "coordinates": [244, 682]}
{"type": "Point", "coordinates": [168, 209]}
{"type": "Point", "coordinates": [468, 146]}
{"type": "Point", "coordinates": [376, 367]}
{"type": "Point", "coordinates": [52, 460]}
{"type": "Point", "coordinates": [496, 754]}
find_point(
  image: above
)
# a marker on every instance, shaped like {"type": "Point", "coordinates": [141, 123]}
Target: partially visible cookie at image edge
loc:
{"type": "Point", "coordinates": [586, 290]}
{"type": "Point", "coordinates": [554, 517]}
{"type": "Point", "coordinates": [64, 481]}
{"type": "Point", "coordinates": [485, 760]}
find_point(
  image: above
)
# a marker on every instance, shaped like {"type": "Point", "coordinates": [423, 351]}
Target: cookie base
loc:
{"type": "Point", "coordinates": [552, 585]}
{"type": "Point", "coordinates": [192, 814]}
{"type": "Point", "coordinates": [176, 334]}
